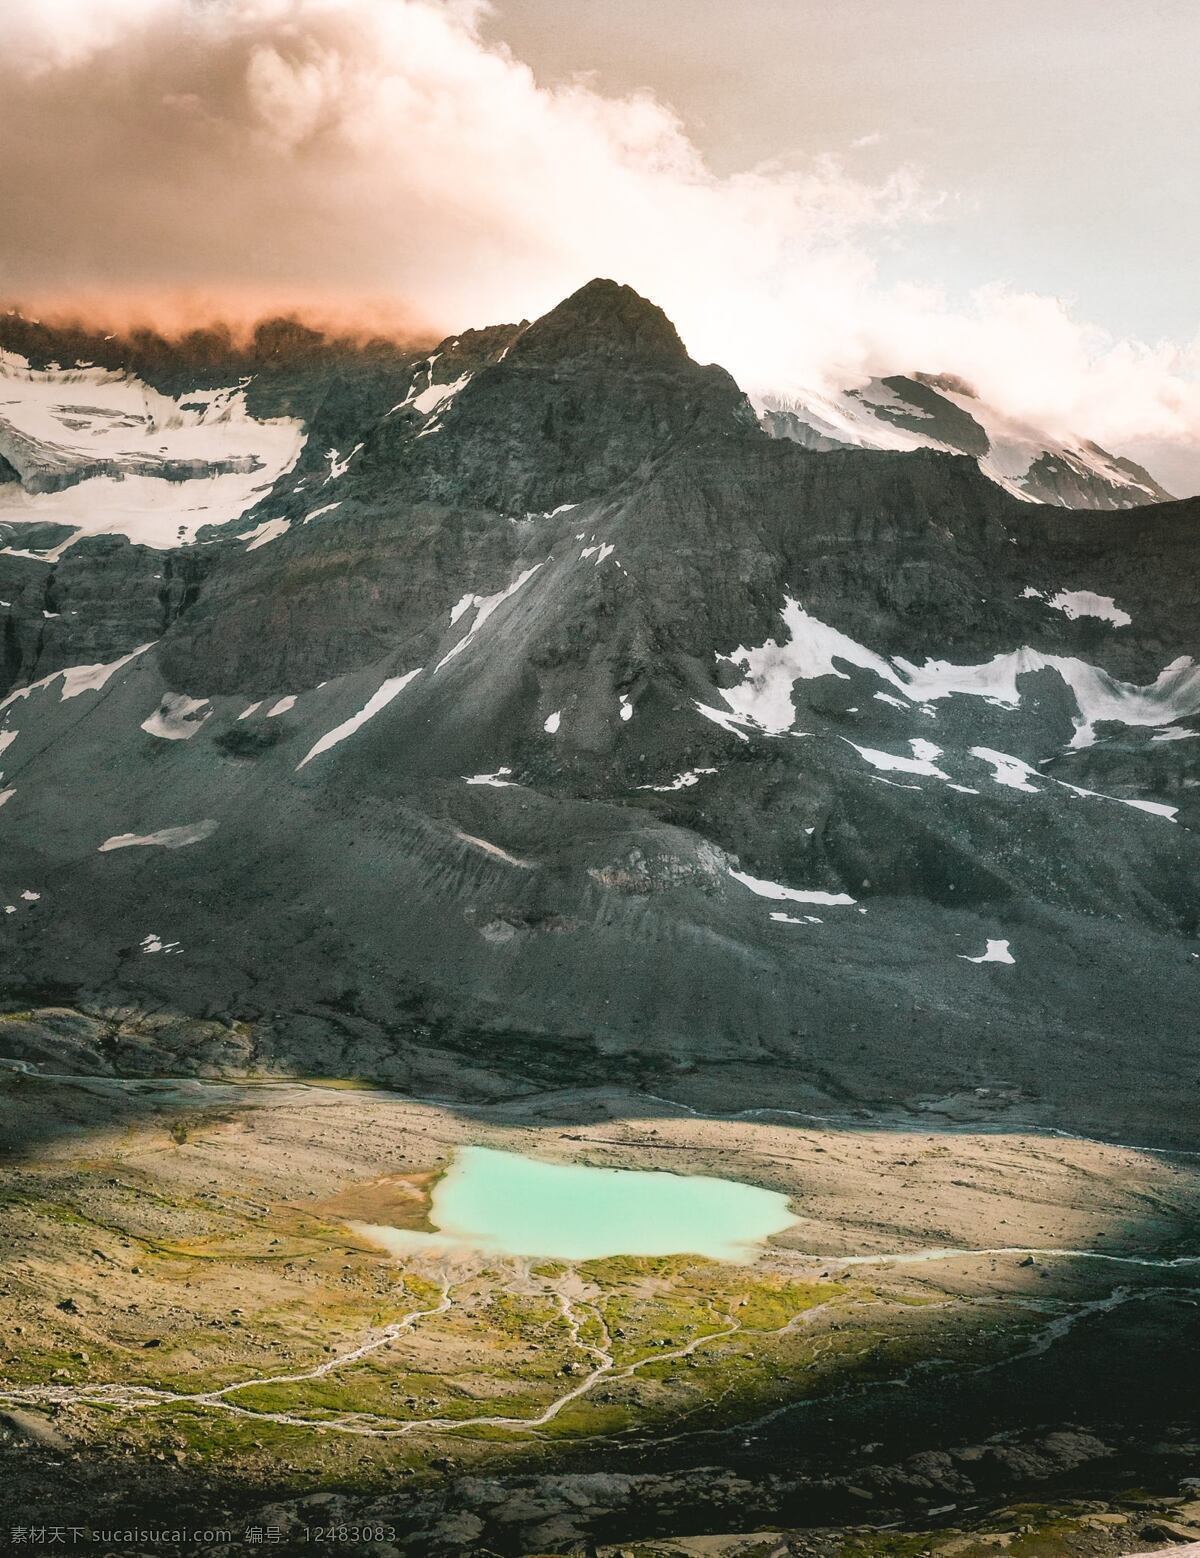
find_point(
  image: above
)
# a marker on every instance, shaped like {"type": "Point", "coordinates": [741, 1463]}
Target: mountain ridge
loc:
{"type": "Point", "coordinates": [940, 411]}
{"type": "Point", "coordinates": [556, 716]}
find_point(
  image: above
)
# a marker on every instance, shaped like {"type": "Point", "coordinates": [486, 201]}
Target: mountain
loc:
{"type": "Point", "coordinates": [924, 411]}
{"type": "Point", "coordinates": [521, 710]}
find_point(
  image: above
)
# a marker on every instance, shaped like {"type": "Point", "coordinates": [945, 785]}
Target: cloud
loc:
{"type": "Point", "coordinates": [45, 34]}
{"type": "Point", "coordinates": [376, 161]}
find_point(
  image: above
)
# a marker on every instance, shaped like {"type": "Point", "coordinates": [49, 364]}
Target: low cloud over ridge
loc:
{"type": "Point", "coordinates": [376, 162]}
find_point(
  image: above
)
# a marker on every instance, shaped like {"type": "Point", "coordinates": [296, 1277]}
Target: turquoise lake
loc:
{"type": "Point", "coordinates": [508, 1204]}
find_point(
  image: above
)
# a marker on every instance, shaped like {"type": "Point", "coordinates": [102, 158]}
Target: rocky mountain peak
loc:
{"type": "Point", "coordinates": [522, 699]}
{"type": "Point", "coordinates": [526, 418]}
{"type": "Point", "coordinates": [950, 382]}
{"type": "Point", "coordinates": [603, 320]}
{"type": "Point", "coordinates": [909, 411]}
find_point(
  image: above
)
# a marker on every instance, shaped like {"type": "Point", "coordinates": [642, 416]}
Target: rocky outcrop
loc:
{"type": "Point", "coordinates": [582, 400]}
{"type": "Point", "coordinates": [1076, 483]}
{"type": "Point", "coordinates": [98, 601]}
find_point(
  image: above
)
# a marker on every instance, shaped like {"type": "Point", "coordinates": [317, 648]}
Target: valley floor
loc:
{"type": "Point", "coordinates": [975, 1329]}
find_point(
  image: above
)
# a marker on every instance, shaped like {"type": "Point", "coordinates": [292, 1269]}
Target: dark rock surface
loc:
{"type": "Point", "coordinates": [578, 551]}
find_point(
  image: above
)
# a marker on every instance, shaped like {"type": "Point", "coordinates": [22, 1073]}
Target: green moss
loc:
{"type": "Point", "coordinates": [767, 1306]}
{"type": "Point", "coordinates": [61, 1212]}
{"type": "Point", "coordinates": [587, 1419]}
{"type": "Point", "coordinates": [423, 1289]}
{"type": "Point", "coordinates": [522, 1314]}
{"type": "Point", "coordinates": [218, 1437]}
{"type": "Point", "coordinates": [390, 1396]}
{"type": "Point", "coordinates": [617, 1269]}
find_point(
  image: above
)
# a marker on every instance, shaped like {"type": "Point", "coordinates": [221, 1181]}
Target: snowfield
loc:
{"type": "Point", "coordinates": [107, 454]}
{"type": "Point", "coordinates": [813, 649]}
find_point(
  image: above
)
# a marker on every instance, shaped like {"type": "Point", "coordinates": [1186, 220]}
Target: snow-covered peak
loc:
{"type": "Point", "coordinates": [920, 411]}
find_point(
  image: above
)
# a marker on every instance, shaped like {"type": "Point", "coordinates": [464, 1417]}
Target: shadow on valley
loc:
{"type": "Point", "coordinates": [974, 1076]}
{"type": "Point", "coordinates": [929, 1396]}
{"type": "Point", "coordinates": [1102, 1419]}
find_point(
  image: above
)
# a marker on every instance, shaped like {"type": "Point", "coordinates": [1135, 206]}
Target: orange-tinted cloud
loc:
{"type": "Point", "coordinates": [376, 163]}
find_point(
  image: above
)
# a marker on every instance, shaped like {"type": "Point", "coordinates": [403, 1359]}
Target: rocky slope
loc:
{"type": "Point", "coordinates": [529, 702]}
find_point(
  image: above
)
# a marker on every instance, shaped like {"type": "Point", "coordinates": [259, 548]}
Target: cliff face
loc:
{"type": "Point", "coordinates": [546, 710]}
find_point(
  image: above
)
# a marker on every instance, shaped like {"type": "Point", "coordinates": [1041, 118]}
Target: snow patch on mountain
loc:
{"type": "Point", "coordinates": [379, 699]}
{"type": "Point", "coordinates": [155, 943]}
{"type": "Point", "coordinates": [902, 413]}
{"type": "Point", "coordinates": [269, 530]}
{"type": "Point", "coordinates": [813, 649]}
{"type": "Point", "coordinates": [996, 952]}
{"type": "Point", "coordinates": [494, 849]}
{"type": "Point", "coordinates": [76, 679]}
{"type": "Point", "coordinates": [921, 762]}
{"type": "Point", "coordinates": [483, 606]}
{"type": "Point", "coordinates": [165, 838]}
{"type": "Point", "coordinates": [337, 465]}
{"type": "Point", "coordinates": [1081, 603]}
{"type": "Point", "coordinates": [1011, 772]}
{"type": "Point", "coordinates": [1015, 774]}
{"type": "Point", "coordinates": [177, 717]}
{"type": "Point", "coordinates": [437, 395]}
{"type": "Point", "coordinates": [776, 890]}
{"type": "Point", "coordinates": [682, 781]}
{"type": "Point", "coordinates": [105, 453]}
{"type": "Point", "coordinates": [497, 780]}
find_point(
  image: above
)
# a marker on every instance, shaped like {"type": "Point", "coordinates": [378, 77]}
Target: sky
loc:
{"type": "Point", "coordinates": [1063, 134]}
{"type": "Point", "coordinates": [814, 190]}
